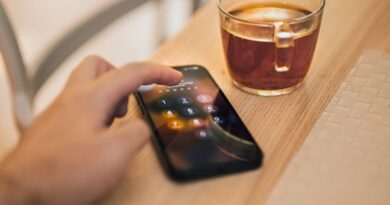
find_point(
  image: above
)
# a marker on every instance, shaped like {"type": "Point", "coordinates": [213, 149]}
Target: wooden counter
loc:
{"type": "Point", "coordinates": [280, 124]}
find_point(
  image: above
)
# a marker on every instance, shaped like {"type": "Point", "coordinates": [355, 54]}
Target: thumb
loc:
{"type": "Point", "coordinates": [129, 137]}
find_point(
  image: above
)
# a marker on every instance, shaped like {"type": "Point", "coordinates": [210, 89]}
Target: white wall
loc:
{"type": "Point", "coordinates": [41, 22]}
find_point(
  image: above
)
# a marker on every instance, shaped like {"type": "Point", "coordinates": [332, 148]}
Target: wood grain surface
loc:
{"type": "Point", "coordinates": [280, 124]}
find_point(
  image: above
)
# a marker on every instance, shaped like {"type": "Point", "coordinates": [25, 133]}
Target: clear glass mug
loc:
{"type": "Point", "coordinates": [269, 44]}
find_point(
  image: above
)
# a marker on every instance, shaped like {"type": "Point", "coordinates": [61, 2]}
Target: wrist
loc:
{"type": "Point", "coordinates": [12, 193]}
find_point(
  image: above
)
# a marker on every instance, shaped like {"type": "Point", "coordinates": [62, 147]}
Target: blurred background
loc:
{"type": "Point", "coordinates": [39, 24]}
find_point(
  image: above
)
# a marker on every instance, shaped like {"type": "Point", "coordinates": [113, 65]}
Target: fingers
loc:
{"type": "Point", "coordinates": [116, 85]}
{"type": "Point", "coordinates": [129, 137]}
{"type": "Point", "coordinates": [121, 109]}
{"type": "Point", "coordinates": [90, 68]}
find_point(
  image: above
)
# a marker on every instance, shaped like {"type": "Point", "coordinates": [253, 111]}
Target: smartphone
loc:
{"type": "Point", "coordinates": [196, 131]}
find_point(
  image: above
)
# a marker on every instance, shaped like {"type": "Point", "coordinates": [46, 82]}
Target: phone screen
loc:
{"type": "Point", "coordinates": [196, 129]}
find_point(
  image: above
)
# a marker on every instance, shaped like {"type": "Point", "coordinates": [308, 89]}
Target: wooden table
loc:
{"type": "Point", "coordinates": [280, 124]}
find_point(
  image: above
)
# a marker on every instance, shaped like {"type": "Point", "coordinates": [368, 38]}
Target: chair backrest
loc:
{"type": "Point", "coordinates": [24, 88]}
{"type": "Point", "coordinates": [19, 83]}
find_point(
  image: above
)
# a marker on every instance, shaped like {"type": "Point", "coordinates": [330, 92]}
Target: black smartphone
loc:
{"type": "Point", "coordinates": [197, 132]}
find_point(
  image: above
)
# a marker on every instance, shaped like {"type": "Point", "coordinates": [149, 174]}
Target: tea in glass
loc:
{"type": "Point", "coordinates": [269, 45]}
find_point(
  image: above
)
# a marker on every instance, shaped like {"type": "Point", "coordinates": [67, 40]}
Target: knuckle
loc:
{"type": "Point", "coordinates": [76, 95]}
{"type": "Point", "coordinates": [70, 95]}
{"type": "Point", "coordinates": [93, 57]}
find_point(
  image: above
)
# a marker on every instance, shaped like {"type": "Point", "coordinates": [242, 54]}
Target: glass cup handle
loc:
{"type": "Point", "coordinates": [284, 42]}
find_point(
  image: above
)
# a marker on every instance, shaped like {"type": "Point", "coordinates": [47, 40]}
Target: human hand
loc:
{"type": "Point", "coordinates": [70, 154]}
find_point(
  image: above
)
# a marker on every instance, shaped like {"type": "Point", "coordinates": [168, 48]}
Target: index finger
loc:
{"type": "Point", "coordinates": [120, 83]}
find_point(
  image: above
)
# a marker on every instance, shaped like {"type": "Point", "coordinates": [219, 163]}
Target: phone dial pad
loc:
{"type": "Point", "coordinates": [183, 111]}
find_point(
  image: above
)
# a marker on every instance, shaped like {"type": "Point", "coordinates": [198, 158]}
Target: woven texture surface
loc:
{"type": "Point", "coordinates": [346, 157]}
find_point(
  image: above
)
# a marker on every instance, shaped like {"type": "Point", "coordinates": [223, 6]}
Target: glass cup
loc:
{"type": "Point", "coordinates": [269, 44]}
